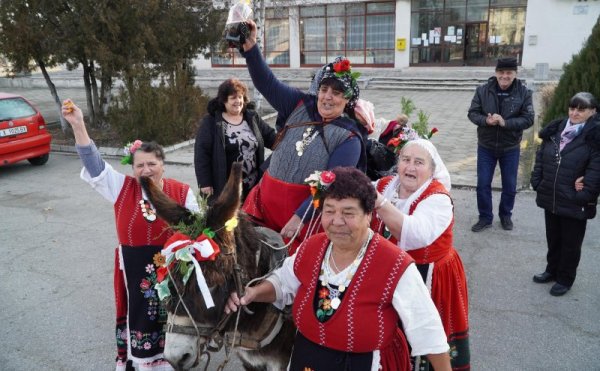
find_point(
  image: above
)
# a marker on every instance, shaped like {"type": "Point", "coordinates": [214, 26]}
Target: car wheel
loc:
{"type": "Point", "coordinates": [40, 160]}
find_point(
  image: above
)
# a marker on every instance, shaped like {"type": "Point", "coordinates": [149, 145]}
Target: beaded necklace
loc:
{"type": "Point", "coordinates": [307, 137]}
{"type": "Point", "coordinates": [334, 294]}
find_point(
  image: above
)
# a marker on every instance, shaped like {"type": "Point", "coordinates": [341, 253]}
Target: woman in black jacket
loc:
{"type": "Point", "coordinates": [566, 177]}
{"type": "Point", "coordinates": [230, 132]}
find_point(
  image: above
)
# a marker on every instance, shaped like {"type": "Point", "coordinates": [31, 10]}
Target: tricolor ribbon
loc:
{"type": "Point", "coordinates": [185, 249]}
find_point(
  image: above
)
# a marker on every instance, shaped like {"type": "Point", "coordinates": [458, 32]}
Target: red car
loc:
{"type": "Point", "coordinates": [23, 134]}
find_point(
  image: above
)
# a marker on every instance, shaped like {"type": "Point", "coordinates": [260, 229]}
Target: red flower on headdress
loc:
{"type": "Point", "coordinates": [342, 66]}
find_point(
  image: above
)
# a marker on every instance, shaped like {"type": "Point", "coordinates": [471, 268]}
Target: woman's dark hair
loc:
{"type": "Point", "coordinates": [335, 84]}
{"type": "Point", "coordinates": [150, 147]}
{"type": "Point", "coordinates": [230, 87]}
{"type": "Point", "coordinates": [351, 183]}
{"type": "Point", "coordinates": [584, 100]}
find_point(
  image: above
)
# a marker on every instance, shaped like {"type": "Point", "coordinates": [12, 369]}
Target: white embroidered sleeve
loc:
{"type": "Point", "coordinates": [108, 183]}
{"type": "Point", "coordinates": [285, 282]}
{"type": "Point", "coordinates": [429, 220]}
{"type": "Point", "coordinates": [420, 319]}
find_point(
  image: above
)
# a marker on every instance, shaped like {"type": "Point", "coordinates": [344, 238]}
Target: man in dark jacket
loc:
{"type": "Point", "coordinates": [502, 108]}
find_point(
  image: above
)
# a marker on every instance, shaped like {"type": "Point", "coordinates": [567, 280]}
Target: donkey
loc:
{"type": "Point", "coordinates": [265, 335]}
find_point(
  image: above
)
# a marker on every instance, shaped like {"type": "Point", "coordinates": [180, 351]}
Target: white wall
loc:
{"type": "Point", "coordinates": [560, 27]}
{"type": "Point", "coordinates": [294, 37]}
{"type": "Point", "coordinates": [402, 31]}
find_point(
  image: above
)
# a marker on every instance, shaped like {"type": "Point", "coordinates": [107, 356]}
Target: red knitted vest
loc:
{"type": "Point", "coordinates": [438, 248]}
{"type": "Point", "coordinates": [132, 228]}
{"type": "Point", "coordinates": [366, 319]}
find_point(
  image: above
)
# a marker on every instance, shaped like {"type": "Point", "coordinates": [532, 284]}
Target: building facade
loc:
{"type": "Point", "coordinates": [402, 33]}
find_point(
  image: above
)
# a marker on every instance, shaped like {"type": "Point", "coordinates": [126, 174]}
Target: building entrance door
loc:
{"type": "Point", "coordinates": [475, 41]}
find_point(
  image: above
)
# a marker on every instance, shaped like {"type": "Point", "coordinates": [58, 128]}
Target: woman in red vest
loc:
{"type": "Point", "coordinates": [140, 319]}
{"type": "Point", "coordinates": [350, 288]}
{"type": "Point", "coordinates": [415, 212]}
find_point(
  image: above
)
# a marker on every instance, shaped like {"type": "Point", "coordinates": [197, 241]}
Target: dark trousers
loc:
{"type": "Point", "coordinates": [564, 236]}
{"type": "Point", "coordinates": [486, 165]}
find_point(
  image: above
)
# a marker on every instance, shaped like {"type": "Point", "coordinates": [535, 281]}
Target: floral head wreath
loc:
{"type": "Point", "coordinates": [129, 149]}
{"type": "Point", "coordinates": [184, 250]}
{"type": "Point", "coordinates": [341, 70]}
{"type": "Point", "coordinates": [407, 134]}
{"type": "Point", "coordinates": [319, 181]}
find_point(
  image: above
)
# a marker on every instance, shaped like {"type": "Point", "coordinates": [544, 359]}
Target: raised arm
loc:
{"type": "Point", "coordinates": [74, 117]}
{"type": "Point", "coordinates": [89, 154]}
{"type": "Point", "coordinates": [280, 96]}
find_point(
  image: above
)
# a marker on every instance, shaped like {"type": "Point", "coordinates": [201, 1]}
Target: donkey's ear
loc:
{"type": "Point", "coordinates": [166, 208]}
{"type": "Point", "coordinates": [228, 203]}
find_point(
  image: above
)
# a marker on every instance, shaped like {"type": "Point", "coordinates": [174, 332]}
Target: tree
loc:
{"type": "Point", "coordinates": [26, 35]}
{"type": "Point", "coordinates": [582, 73]}
{"type": "Point", "coordinates": [108, 39]}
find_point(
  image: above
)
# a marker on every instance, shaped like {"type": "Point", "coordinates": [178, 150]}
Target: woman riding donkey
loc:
{"type": "Point", "coordinates": [319, 133]}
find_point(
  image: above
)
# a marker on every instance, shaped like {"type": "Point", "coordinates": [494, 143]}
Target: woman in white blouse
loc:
{"type": "Point", "coordinates": [350, 288]}
{"type": "Point", "coordinates": [415, 211]}
{"type": "Point", "coordinates": [139, 318]}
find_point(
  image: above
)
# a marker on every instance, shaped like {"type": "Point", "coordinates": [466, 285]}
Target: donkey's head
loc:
{"type": "Point", "coordinates": [185, 303]}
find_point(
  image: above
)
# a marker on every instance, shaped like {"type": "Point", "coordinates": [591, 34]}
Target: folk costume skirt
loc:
{"type": "Point", "coordinates": [445, 278]}
{"type": "Point", "coordinates": [140, 315]}
{"type": "Point", "coordinates": [307, 355]}
{"type": "Point", "coordinates": [272, 202]}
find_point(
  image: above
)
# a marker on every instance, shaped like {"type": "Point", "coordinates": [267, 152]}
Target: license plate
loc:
{"type": "Point", "coordinates": [13, 131]}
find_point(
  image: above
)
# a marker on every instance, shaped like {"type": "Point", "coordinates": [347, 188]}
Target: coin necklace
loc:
{"type": "Point", "coordinates": [147, 210]}
{"type": "Point", "coordinates": [308, 136]}
{"type": "Point", "coordinates": [326, 273]}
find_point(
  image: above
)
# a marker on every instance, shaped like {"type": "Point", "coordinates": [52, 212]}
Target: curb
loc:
{"type": "Point", "coordinates": [111, 151]}
{"type": "Point", "coordinates": [118, 152]}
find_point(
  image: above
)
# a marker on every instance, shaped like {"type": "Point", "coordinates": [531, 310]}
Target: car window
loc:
{"type": "Point", "coordinates": [13, 108]}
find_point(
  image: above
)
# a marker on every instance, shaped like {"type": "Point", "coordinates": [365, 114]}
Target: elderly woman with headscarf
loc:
{"type": "Point", "coordinates": [320, 132]}
{"type": "Point", "coordinates": [415, 211]}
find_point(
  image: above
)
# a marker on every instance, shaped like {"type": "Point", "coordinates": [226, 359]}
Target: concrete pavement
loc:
{"type": "Point", "coordinates": [58, 237]}
{"type": "Point", "coordinates": [456, 139]}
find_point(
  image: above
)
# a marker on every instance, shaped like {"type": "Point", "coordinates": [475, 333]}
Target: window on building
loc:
{"type": "Point", "coordinates": [277, 37]}
{"type": "Point", "coordinates": [466, 32]}
{"type": "Point", "coordinates": [477, 10]}
{"type": "Point", "coordinates": [363, 32]}
{"type": "Point", "coordinates": [276, 47]}
{"type": "Point", "coordinates": [507, 33]}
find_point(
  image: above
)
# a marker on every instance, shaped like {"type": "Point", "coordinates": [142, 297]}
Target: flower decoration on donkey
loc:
{"type": "Point", "coordinates": [190, 245]}
{"type": "Point", "coordinates": [318, 182]}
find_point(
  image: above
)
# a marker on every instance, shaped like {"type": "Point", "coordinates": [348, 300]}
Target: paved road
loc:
{"type": "Point", "coordinates": [56, 306]}
{"type": "Point", "coordinates": [456, 140]}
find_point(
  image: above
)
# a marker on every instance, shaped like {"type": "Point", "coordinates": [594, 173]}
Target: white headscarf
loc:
{"type": "Point", "coordinates": [441, 173]}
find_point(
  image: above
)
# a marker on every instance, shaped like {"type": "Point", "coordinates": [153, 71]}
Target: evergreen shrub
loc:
{"type": "Point", "coordinates": [167, 113]}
